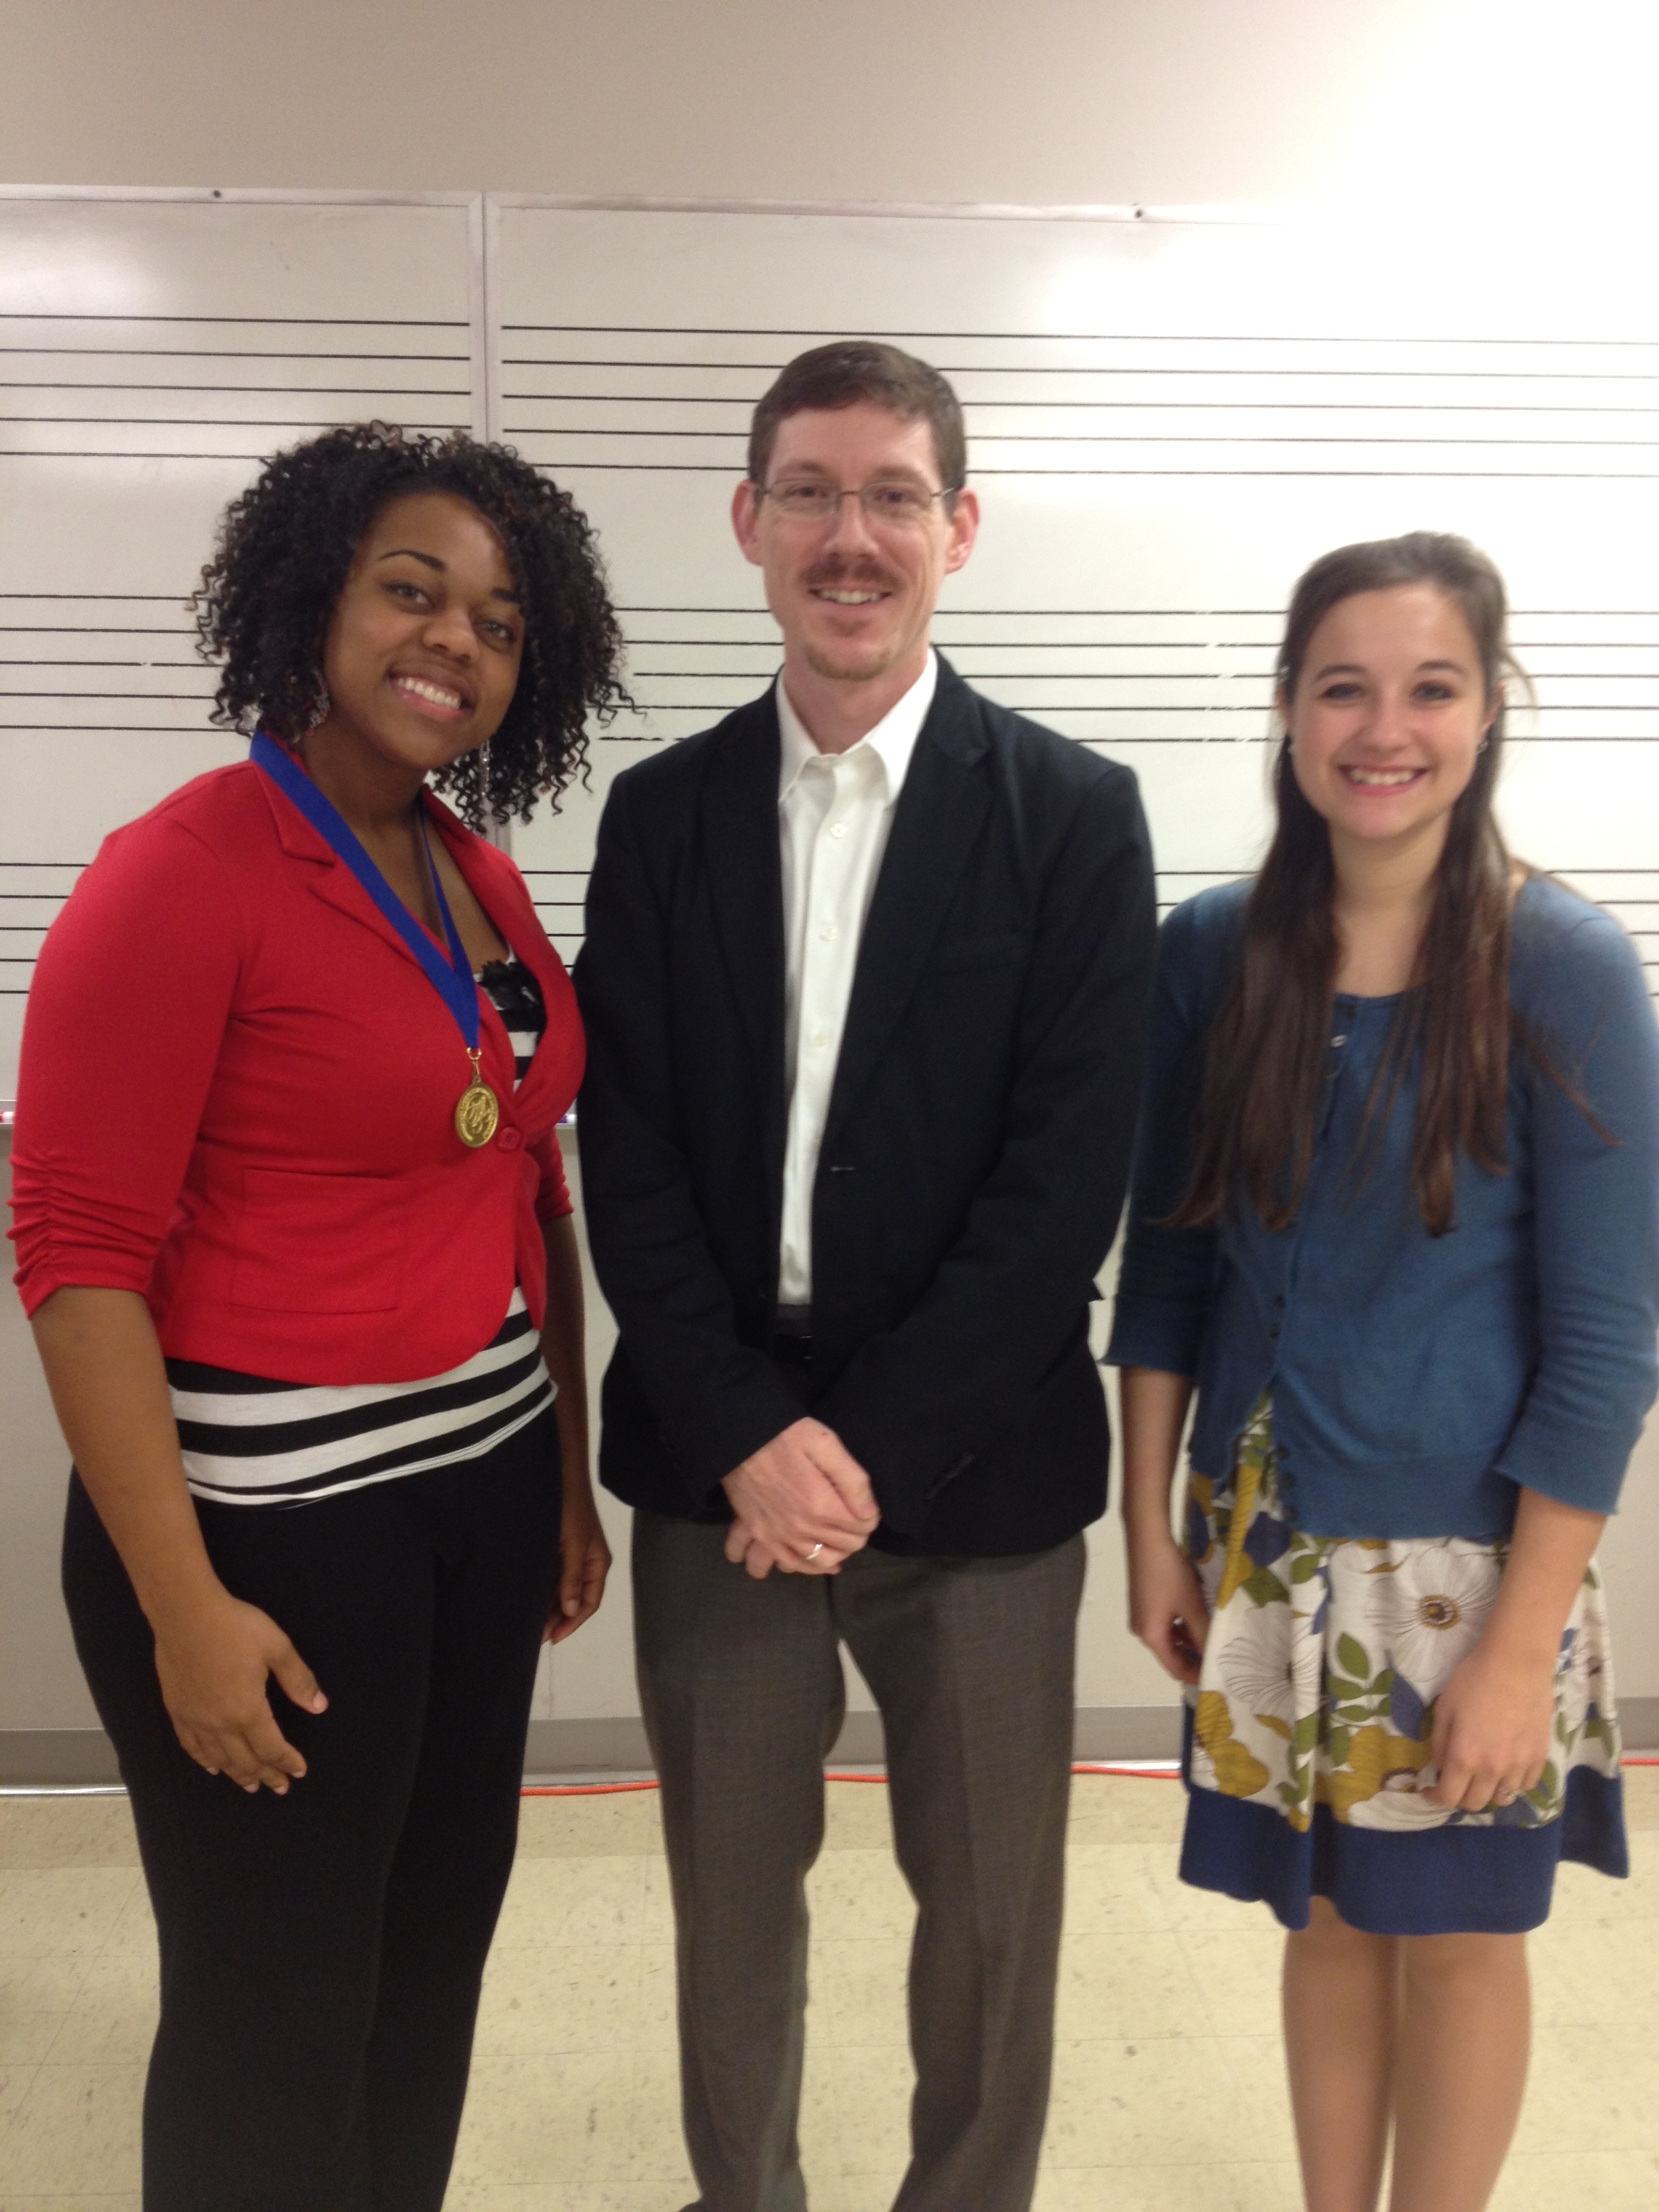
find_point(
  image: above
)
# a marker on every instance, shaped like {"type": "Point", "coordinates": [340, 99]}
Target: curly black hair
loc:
{"type": "Point", "coordinates": [285, 550]}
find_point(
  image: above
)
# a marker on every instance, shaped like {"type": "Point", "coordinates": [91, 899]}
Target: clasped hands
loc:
{"type": "Point", "coordinates": [802, 1504]}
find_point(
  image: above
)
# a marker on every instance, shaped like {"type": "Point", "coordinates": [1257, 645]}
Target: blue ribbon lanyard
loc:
{"type": "Point", "coordinates": [451, 978]}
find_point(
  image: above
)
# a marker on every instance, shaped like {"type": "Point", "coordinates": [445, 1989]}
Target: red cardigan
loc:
{"type": "Point", "coordinates": [237, 1093]}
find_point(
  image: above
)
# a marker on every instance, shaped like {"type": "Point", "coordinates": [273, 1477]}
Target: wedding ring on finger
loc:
{"type": "Point", "coordinates": [808, 1558]}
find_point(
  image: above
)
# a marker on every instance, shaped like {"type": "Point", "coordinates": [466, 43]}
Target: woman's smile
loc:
{"type": "Point", "coordinates": [422, 655]}
{"type": "Point", "coordinates": [1382, 779]}
{"type": "Point", "coordinates": [1389, 714]}
{"type": "Point", "coordinates": [443, 699]}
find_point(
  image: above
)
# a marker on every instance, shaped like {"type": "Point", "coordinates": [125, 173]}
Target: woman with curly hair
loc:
{"type": "Point", "coordinates": [294, 1234]}
{"type": "Point", "coordinates": [1397, 1222]}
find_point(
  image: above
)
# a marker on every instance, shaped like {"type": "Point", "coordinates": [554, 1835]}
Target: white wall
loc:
{"type": "Point", "coordinates": [1437, 108]}
{"type": "Point", "coordinates": [1172, 102]}
{"type": "Point", "coordinates": [923, 100]}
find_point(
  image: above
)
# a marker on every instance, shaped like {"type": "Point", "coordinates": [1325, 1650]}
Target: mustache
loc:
{"type": "Point", "coordinates": [861, 574]}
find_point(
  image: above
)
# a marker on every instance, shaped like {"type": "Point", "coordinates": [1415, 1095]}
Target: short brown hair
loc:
{"type": "Point", "coordinates": [853, 369]}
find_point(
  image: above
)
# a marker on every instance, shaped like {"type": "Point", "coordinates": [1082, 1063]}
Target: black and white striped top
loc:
{"type": "Point", "coordinates": [249, 1441]}
{"type": "Point", "coordinates": [512, 990]}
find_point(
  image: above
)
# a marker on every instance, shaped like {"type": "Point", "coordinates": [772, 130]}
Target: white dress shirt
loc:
{"type": "Point", "coordinates": [835, 811]}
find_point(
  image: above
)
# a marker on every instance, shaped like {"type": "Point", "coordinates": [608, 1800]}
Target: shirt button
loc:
{"type": "Point", "coordinates": [837, 828]}
{"type": "Point", "coordinates": [829, 933]}
{"type": "Point", "coordinates": [820, 1037]}
{"type": "Point", "coordinates": [1273, 1331]}
{"type": "Point", "coordinates": [1338, 1040]}
{"type": "Point", "coordinates": [510, 1140]}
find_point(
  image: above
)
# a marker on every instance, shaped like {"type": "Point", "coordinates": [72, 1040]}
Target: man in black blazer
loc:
{"type": "Point", "coordinates": [866, 985]}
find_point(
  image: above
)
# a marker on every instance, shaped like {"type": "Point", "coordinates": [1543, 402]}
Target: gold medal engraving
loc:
{"type": "Point", "coordinates": [478, 1110]}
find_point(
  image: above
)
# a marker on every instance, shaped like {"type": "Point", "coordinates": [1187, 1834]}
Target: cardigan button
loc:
{"type": "Point", "coordinates": [510, 1139]}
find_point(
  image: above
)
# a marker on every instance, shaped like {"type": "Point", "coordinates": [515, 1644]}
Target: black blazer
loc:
{"type": "Point", "coordinates": [977, 1144]}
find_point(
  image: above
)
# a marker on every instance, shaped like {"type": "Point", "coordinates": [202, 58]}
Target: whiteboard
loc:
{"type": "Point", "coordinates": [1167, 420]}
{"type": "Point", "coordinates": [153, 351]}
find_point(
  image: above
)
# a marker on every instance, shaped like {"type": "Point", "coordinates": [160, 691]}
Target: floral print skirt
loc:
{"type": "Point", "coordinates": [1308, 1737]}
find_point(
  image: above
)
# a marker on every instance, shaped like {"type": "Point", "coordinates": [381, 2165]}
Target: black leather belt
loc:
{"type": "Point", "coordinates": [792, 1336]}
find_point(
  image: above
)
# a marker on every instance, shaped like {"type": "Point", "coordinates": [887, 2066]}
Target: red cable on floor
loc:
{"type": "Point", "coordinates": [1160, 1773]}
{"type": "Point", "coordinates": [1084, 1766]}
{"type": "Point", "coordinates": [584, 1788]}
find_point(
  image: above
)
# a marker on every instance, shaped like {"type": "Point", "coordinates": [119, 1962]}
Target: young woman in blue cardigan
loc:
{"type": "Point", "coordinates": [1396, 1224]}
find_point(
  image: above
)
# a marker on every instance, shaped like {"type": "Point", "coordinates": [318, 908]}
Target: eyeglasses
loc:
{"type": "Point", "coordinates": [887, 506]}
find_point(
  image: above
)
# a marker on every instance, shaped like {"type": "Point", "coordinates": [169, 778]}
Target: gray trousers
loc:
{"type": "Point", "coordinates": [971, 1662]}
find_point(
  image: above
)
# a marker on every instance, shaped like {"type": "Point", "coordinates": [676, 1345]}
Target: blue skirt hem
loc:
{"type": "Point", "coordinates": [1460, 1879]}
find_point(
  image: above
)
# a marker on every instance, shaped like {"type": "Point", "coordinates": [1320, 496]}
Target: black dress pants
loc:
{"type": "Point", "coordinates": [321, 1952]}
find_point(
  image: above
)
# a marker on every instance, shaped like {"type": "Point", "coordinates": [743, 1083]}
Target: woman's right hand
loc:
{"type": "Point", "coordinates": [215, 1660]}
{"type": "Point", "coordinates": [1167, 1609]}
{"type": "Point", "coordinates": [215, 1655]}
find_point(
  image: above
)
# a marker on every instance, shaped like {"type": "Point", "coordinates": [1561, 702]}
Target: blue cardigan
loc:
{"type": "Point", "coordinates": [1418, 1380]}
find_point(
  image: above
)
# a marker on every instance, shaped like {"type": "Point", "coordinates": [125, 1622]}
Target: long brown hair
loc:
{"type": "Point", "coordinates": [1265, 1053]}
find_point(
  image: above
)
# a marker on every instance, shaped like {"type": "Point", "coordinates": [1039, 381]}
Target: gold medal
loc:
{"type": "Point", "coordinates": [478, 1110]}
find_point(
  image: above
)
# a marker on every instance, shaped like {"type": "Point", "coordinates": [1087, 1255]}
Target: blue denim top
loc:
{"type": "Point", "coordinates": [1416, 1380]}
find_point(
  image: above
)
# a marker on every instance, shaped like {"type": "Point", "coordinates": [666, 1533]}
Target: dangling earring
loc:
{"type": "Point", "coordinates": [1484, 742]}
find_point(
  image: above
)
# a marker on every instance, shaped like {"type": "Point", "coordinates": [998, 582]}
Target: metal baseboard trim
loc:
{"type": "Point", "coordinates": [1108, 1732]}
{"type": "Point", "coordinates": [57, 1757]}
{"type": "Point", "coordinates": [63, 1758]}
{"type": "Point", "coordinates": [595, 1746]}
{"type": "Point", "coordinates": [588, 1747]}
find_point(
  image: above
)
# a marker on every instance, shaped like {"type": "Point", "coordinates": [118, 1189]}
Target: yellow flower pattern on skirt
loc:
{"type": "Point", "coordinates": [1326, 1654]}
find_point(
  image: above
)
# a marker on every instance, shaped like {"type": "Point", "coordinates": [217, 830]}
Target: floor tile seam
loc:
{"type": "Point", "coordinates": [8, 2020]}
{"type": "Point", "coordinates": [38, 1958]}
{"type": "Point", "coordinates": [620, 2048]}
{"type": "Point", "coordinates": [630, 1854]}
{"type": "Point", "coordinates": [1132, 1925]}
{"type": "Point", "coordinates": [1141, 2042]}
{"type": "Point", "coordinates": [6, 2118]}
{"type": "Point", "coordinates": [89, 2066]}
{"type": "Point", "coordinates": [638, 2088]}
{"type": "Point", "coordinates": [57, 2037]}
{"type": "Point", "coordinates": [624, 2013]}
{"type": "Point", "coordinates": [18, 2065]}
{"type": "Point", "coordinates": [1155, 2031]}
{"type": "Point", "coordinates": [74, 1867]}
{"type": "Point", "coordinates": [1191, 2158]}
{"type": "Point", "coordinates": [827, 2087]}
{"type": "Point", "coordinates": [641, 1862]}
{"type": "Point", "coordinates": [1184, 1937]}
{"type": "Point", "coordinates": [1173, 1962]}
{"type": "Point", "coordinates": [520, 1950]}
{"type": "Point", "coordinates": [1547, 2021]}
{"type": "Point", "coordinates": [68, 1866]}
{"type": "Point", "coordinates": [1263, 2121]}
{"type": "Point", "coordinates": [29, 1948]}
{"type": "Point", "coordinates": [136, 1888]}
{"type": "Point", "coordinates": [1578, 2157]}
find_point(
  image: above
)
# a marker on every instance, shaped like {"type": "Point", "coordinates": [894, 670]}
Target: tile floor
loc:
{"type": "Point", "coordinates": [1168, 2088]}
